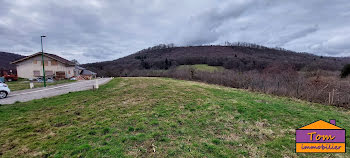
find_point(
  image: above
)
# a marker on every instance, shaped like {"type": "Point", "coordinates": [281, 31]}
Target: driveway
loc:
{"type": "Point", "coordinates": [38, 93]}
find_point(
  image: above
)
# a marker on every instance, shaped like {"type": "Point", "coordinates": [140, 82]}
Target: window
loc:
{"type": "Point", "coordinates": [46, 63]}
{"type": "Point", "coordinates": [60, 75]}
{"type": "Point", "coordinates": [49, 73]}
{"type": "Point", "coordinates": [54, 63]}
{"type": "Point", "coordinates": [36, 73]}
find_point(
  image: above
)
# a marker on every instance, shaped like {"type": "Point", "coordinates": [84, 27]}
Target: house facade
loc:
{"type": "Point", "coordinates": [30, 67]}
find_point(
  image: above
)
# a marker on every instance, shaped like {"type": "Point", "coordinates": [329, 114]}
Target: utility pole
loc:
{"type": "Point", "coordinates": [42, 59]}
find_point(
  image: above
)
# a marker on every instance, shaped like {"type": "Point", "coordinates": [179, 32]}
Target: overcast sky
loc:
{"type": "Point", "coordinates": [100, 30]}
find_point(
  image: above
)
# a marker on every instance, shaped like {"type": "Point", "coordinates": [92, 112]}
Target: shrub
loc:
{"type": "Point", "coordinates": [345, 71]}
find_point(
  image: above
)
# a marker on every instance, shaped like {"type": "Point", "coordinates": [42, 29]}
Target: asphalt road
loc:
{"type": "Point", "coordinates": [38, 93]}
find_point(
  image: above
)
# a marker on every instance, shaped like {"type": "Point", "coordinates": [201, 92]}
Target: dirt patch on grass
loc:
{"type": "Point", "coordinates": [230, 137]}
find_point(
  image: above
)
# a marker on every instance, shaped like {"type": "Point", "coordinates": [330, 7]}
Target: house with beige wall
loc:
{"type": "Point", "coordinates": [31, 67]}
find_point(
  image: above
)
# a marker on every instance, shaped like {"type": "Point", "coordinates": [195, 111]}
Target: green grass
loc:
{"type": "Point", "coordinates": [24, 84]}
{"type": "Point", "coordinates": [158, 117]}
{"type": "Point", "coordinates": [202, 67]}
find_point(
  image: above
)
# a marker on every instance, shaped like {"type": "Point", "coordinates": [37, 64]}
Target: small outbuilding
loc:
{"type": "Point", "coordinates": [87, 74]}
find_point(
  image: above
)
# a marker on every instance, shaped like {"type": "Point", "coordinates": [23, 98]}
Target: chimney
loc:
{"type": "Point", "coordinates": [332, 122]}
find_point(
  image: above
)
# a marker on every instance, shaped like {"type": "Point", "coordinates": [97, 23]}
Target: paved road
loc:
{"type": "Point", "coordinates": [38, 93]}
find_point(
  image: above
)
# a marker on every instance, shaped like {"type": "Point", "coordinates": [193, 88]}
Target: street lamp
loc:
{"type": "Point", "coordinates": [42, 59]}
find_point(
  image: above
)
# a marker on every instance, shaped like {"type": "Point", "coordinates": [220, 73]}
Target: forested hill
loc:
{"type": "Point", "coordinates": [240, 57]}
{"type": "Point", "coordinates": [6, 58]}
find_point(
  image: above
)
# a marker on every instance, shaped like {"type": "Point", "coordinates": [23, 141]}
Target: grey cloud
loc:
{"type": "Point", "coordinates": [339, 42]}
{"type": "Point", "coordinates": [99, 53]}
{"type": "Point", "coordinates": [67, 53]}
{"type": "Point", "coordinates": [98, 30]}
{"type": "Point", "coordinates": [201, 29]}
{"type": "Point", "coordinates": [281, 41]}
{"type": "Point", "coordinates": [337, 45]}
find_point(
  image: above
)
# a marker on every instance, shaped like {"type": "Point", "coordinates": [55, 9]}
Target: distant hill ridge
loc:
{"type": "Point", "coordinates": [6, 58]}
{"type": "Point", "coordinates": [240, 56]}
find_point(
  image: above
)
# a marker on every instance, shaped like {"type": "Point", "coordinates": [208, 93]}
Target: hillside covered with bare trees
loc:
{"type": "Point", "coordinates": [248, 66]}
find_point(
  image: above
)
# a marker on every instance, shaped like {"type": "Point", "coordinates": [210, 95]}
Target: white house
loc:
{"type": "Point", "coordinates": [31, 67]}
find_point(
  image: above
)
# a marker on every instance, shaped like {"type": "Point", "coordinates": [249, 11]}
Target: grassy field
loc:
{"type": "Point", "coordinates": [158, 117]}
{"type": "Point", "coordinates": [21, 85]}
{"type": "Point", "coordinates": [202, 67]}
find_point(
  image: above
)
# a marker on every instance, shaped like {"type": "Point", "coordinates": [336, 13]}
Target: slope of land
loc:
{"type": "Point", "coordinates": [6, 58]}
{"type": "Point", "coordinates": [202, 67]}
{"type": "Point", "coordinates": [152, 117]}
{"type": "Point", "coordinates": [240, 58]}
{"type": "Point", "coordinates": [247, 66]}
